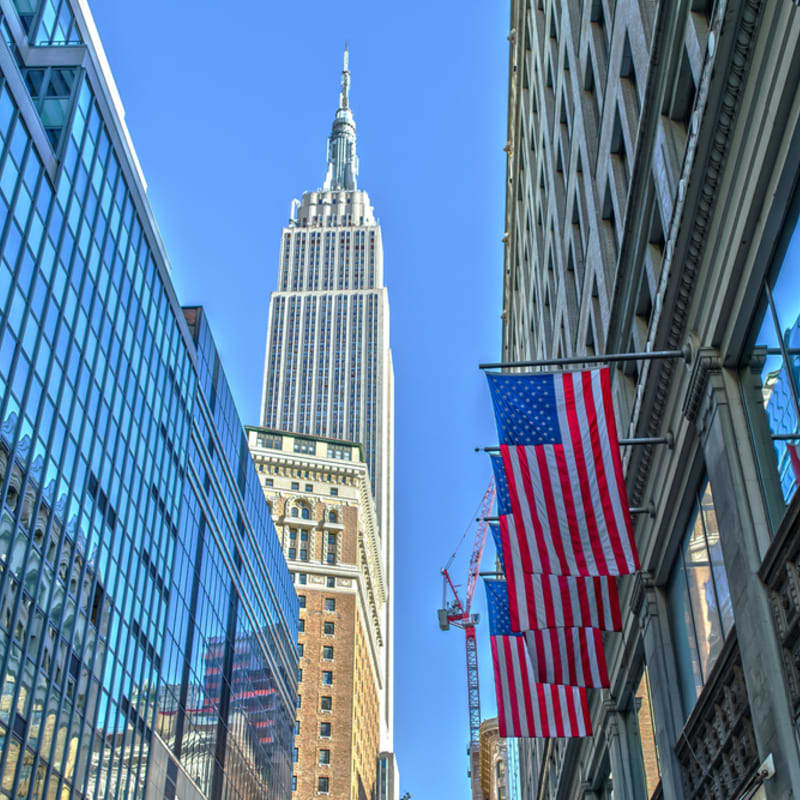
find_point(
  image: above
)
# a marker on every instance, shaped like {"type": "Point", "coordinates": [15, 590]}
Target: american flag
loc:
{"type": "Point", "coordinates": [794, 458]}
{"type": "Point", "coordinates": [498, 545]}
{"type": "Point", "coordinates": [501, 485]}
{"type": "Point", "coordinates": [572, 656]}
{"type": "Point", "coordinates": [569, 507]}
{"type": "Point", "coordinates": [526, 707]}
{"type": "Point", "coordinates": [562, 601]}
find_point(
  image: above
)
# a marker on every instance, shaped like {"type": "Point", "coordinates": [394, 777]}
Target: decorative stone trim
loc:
{"type": "Point", "coordinates": [717, 748]}
{"type": "Point", "coordinates": [706, 361]}
{"type": "Point", "coordinates": [696, 219]}
{"type": "Point", "coordinates": [781, 574]}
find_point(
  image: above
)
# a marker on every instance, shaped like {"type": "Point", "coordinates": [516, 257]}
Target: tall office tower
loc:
{"type": "Point", "coordinates": [328, 369]}
{"type": "Point", "coordinates": [147, 618]}
{"type": "Point", "coordinates": [652, 204]}
{"type": "Point", "coordinates": [321, 499]}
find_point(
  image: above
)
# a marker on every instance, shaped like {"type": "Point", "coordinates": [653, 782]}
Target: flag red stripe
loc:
{"type": "Point", "coordinates": [611, 426]}
{"type": "Point", "coordinates": [600, 472]}
{"type": "Point", "coordinates": [552, 514]}
{"type": "Point", "coordinates": [573, 527]}
{"type": "Point", "coordinates": [516, 509]}
{"type": "Point", "coordinates": [539, 534]}
{"type": "Point", "coordinates": [583, 473]}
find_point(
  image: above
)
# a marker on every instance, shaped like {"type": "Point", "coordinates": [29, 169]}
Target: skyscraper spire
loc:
{"type": "Point", "coordinates": [342, 159]}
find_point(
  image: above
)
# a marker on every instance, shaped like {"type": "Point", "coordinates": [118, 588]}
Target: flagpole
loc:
{"type": "Point", "coordinates": [668, 440]}
{"type": "Point", "coordinates": [648, 509]}
{"type": "Point", "coordinates": [685, 353]}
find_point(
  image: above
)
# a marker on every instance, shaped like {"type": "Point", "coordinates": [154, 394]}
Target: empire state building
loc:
{"type": "Point", "coordinates": [328, 367]}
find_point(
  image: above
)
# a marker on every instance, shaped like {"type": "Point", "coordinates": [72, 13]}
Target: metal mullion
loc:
{"type": "Point", "coordinates": [784, 353]}
{"type": "Point", "coordinates": [691, 607]}
{"type": "Point", "coordinates": [711, 567]}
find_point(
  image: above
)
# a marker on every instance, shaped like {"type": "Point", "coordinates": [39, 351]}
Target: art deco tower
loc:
{"type": "Point", "coordinates": [328, 367]}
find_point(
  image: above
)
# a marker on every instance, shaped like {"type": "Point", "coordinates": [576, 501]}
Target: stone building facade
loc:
{"type": "Point", "coordinates": [320, 495]}
{"type": "Point", "coordinates": [652, 204]}
{"type": "Point", "coordinates": [493, 761]}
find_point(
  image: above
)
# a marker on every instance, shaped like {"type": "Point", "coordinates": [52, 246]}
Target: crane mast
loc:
{"type": "Point", "coordinates": [457, 613]}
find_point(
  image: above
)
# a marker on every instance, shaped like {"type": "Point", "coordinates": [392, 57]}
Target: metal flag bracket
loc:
{"type": "Point", "coordinates": [667, 439]}
{"type": "Point", "coordinates": [684, 353]}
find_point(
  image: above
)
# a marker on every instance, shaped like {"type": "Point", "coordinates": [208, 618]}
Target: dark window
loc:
{"type": "Point", "coordinates": [327, 628]}
{"type": "Point", "coordinates": [327, 652]}
{"type": "Point", "coordinates": [301, 599]}
{"type": "Point", "coordinates": [330, 604]}
{"type": "Point", "coordinates": [322, 785]}
{"type": "Point", "coordinates": [327, 677]}
{"type": "Point", "coordinates": [330, 581]}
{"type": "Point", "coordinates": [326, 703]}
{"type": "Point", "coordinates": [325, 730]}
{"type": "Point", "coordinates": [324, 757]}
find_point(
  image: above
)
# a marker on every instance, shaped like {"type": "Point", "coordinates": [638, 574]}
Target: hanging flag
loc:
{"type": "Point", "coordinates": [524, 706]}
{"type": "Point", "coordinates": [501, 486]}
{"type": "Point", "coordinates": [498, 544]}
{"type": "Point", "coordinates": [794, 458]}
{"type": "Point", "coordinates": [562, 601]}
{"type": "Point", "coordinates": [572, 656]}
{"type": "Point", "coordinates": [565, 483]}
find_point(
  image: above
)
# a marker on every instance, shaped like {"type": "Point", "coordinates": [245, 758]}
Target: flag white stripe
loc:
{"type": "Point", "coordinates": [561, 514]}
{"type": "Point", "coordinates": [608, 465]}
{"type": "Point", "coordinates": [572, 471]}
{"type": "Point", "coordinates": [592, 472]}
{"type": "Point", "coordinates": [525, 510]}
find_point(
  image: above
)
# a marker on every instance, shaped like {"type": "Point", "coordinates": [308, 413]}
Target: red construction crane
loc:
{"type": "Point", "coordinates": [457, 613]}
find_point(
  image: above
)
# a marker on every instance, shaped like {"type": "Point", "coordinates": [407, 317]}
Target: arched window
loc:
{"type": "Point", "coordinates": [331, 516]}
{"type": "Point", "coordinates": [305, 514]}
{"type": "Point", "coordinates": [294, 511]}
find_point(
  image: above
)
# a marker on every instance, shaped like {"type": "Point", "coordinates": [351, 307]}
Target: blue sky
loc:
{"type": "Point", "coordinates": [229, 113]}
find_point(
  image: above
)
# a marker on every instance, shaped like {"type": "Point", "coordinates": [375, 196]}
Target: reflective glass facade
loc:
{"type": "Point", "coordinates": [147, 618]}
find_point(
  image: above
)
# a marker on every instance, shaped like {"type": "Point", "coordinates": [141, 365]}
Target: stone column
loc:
{"type": "Point", "coordinates": [648, 602]}
{"type": "Point", "coordinates": [714, 404]}
{"type": "Point", "coordinates": [626, 787]}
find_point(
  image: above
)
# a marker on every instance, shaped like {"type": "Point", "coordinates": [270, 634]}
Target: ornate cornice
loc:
{"type": "Point", "coordinates": [706, 362]}
{"type": "Point", "coordinates": [694, 222]}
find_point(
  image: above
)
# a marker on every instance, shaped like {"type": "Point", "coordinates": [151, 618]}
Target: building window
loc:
{"type": "Point", "coordinates": [305, 512]}
{"type": "Point", "coordinates": [297, 727]}
{"type": "Point", "coordinates": [303, 536]}
{"type": "Point", "coordinates": [327, 628]}
{"type": "Point", "coordinates": [271, 442]}
{"type": "Point", "coordinates": [330, 581]}
{"type": "Point", "coordinates": [699, 600]}
{"type": "Point", "coordinates": [301, 599]}
{"type": "Point", "coordinates": [301, 446]}
{"type": "Point", "coordinates": [302, 578]}
{"type": "Point", "coordinates": [334, 491]}
{"type": "Point", "coordinates": [325, 730]}
{"type": "Point", "coordinates": [298, 702]}
{"type": "Point", "coordinates": [303, 554]}
{"type": "Point", "coordinates": [295, 754]}
{"type": "Point", "coordinates": [777, 324]}
{"type": "Point", "coordinates": [325, 703]}
{"type": "Point", "coordinates": [301, 625]}
{"type": "Point", "coordinates": [294, 783]}
{"type": "Point", "coordinates": [327, 652]}
{"type": "Point", "coordinates": [324, 757]}
{"type": "Point", "coordinates": [300, 650]}
{"type": "Point", "coordinates": [330, 604]}
{"type": "Point", "coordinates": [332, 516]}
{"type": "Point", "coordinates": [322, 784]}
{"type": "Point", "coordinates": [299, 675]}
{"type": "Point", "coordinates": [292, 552]}
{"type": "Point", "coordinates": [296, 488]}
{"type": "Point", "coordinates": [327, 677]}
{"type": "Point", "coordinates": [331, 549]}
{"type": "Point", "coordinates": [293, 533]}
{"type": "Point", "coordinates": [268, 481]}
{"type": "Point", "coordinates": [309, 488]}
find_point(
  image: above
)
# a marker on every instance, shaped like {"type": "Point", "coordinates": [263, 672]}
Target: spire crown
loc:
{"type": "Point", "coordinates": [342, 168]}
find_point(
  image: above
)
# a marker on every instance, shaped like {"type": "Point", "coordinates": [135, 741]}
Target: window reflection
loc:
{"type": "Point", "coordinates": [699, 599]}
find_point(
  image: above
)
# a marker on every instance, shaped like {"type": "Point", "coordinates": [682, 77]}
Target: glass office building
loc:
{"type": "Point", "coordinates": [147, 617]}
